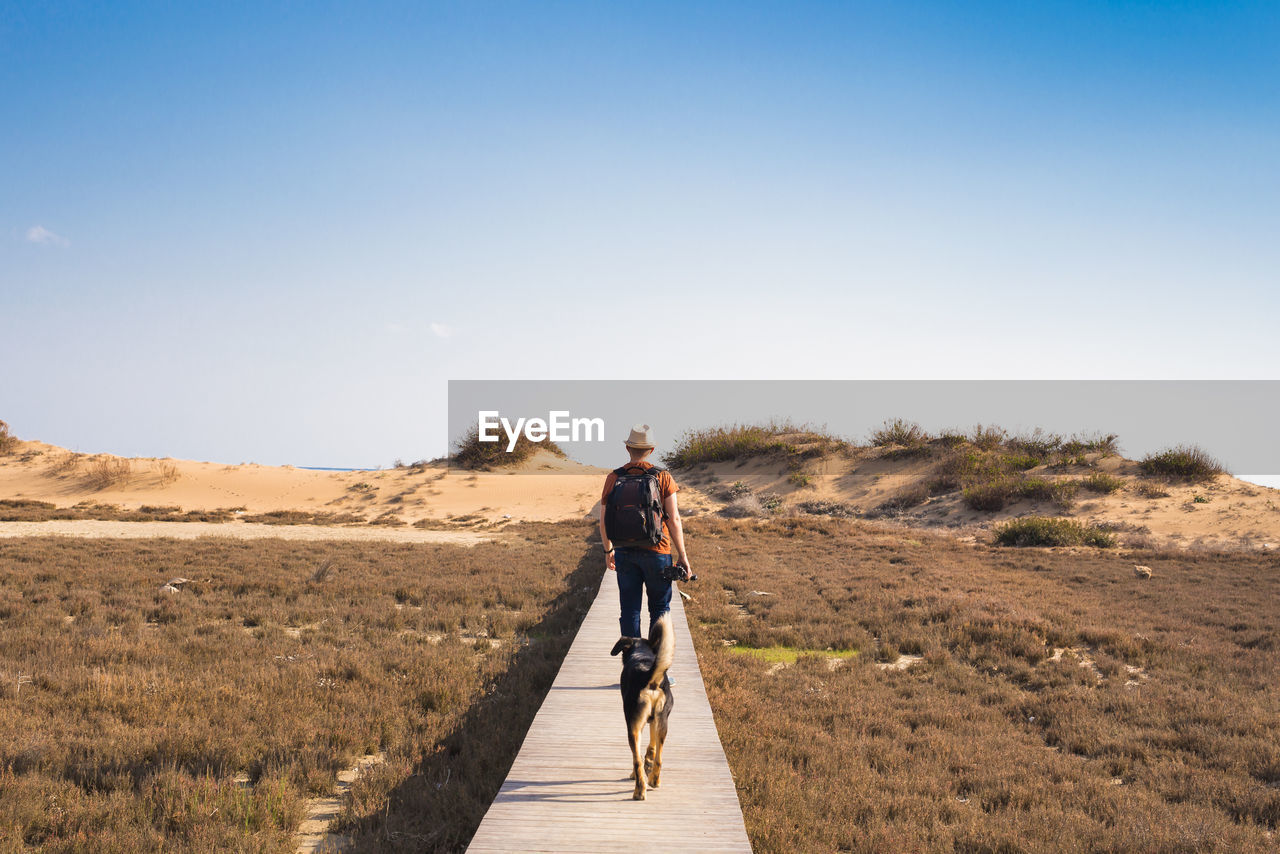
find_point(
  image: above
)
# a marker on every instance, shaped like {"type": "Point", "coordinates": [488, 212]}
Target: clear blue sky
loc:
{"type": "Point", "coordinates": [271, 232]}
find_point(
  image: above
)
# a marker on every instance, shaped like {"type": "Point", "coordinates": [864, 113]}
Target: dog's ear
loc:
{"type": "Point", "coordinates": [623, 643]}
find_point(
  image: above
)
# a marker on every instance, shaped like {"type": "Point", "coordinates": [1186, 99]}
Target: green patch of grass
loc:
{"type": "Point", "coordinates": [1047, 531]}
{"type": "Point", "coordinates": [1183, 462]}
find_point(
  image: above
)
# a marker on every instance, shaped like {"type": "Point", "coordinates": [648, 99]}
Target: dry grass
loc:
{"type": "Point", "coordinates": [28, 510]}
{"type": "Point", "coordinates": [66, 464]}
{"type": "Point", "coordinates": [1103, 483]}
{"type": "Point", "coordinates": [304, 517]}
{"type": "Point", "coordinates": [998, 492]}
{"type": "Point", "coordinates": [745, 441]}
{"type": "Point", "coordinates": [106, 472]}
{"type": "Point", "coordinates": [1046, 531]}
{"type": "Point", "coordinates": [8, 441]}
{"type": "Point", "coordinates": [1185, 462]}
{"type": "Point", "coordinates": [899, 431]}
{"type": "Point", "coordinates": [166, 471]}
{"type": "Point", "coordinates": [991, 742]}
{"type": "Point", "coordinates": [130, 711]}
{"type": "Point", "coordinates": [990, 467]}
{"type": "Point", "coordinates": [472, 454]}
{"type": "Point", "coordinates": [1150, 490]}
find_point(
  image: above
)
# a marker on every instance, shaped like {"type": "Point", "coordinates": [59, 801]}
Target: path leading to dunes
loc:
{"type": "Point", "coordinates": [236, 530]}
{"type": "Point", "coordinates": [568, 791]}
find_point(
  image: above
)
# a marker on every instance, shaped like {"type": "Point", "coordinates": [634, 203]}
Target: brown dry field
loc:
{"type": "Point", "coordinates": [141, 720]}
{"type": "Point", "coordinates": [1154, 730]}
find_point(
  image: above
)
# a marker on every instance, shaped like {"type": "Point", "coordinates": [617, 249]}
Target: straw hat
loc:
{"type": "Point", "coordinates": [641, 437]}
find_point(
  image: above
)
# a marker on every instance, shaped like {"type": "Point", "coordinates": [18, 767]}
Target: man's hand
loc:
{"type": "Point", "coordinates": [688, 570]}
{"type": "Point", "coordinates": [609, 562]}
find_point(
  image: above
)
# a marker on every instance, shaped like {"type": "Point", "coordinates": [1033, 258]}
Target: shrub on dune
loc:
{"type": "Point", "coordinates": [470, 453]}
{"type": "Point", "coordinates": [1183, 462]}
{"type": "Point", "coordinates": [1046, 531]}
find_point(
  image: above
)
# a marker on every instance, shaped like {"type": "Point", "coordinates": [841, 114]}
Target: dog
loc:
{"type": "Point", "coordinates": [647, 698]}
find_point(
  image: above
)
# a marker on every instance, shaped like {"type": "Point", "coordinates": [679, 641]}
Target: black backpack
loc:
{"type": "Point", "coordinates": [633, 511]}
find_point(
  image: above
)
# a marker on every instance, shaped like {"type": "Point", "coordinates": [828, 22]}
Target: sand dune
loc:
{"type": "Point", "coordinates": [1225, 511]}
{"type": "Point", "coordinates": [545, 488]}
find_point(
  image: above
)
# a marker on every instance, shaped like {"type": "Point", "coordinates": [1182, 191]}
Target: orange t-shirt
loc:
{"type": "Point", "coordinates": [666, 485]}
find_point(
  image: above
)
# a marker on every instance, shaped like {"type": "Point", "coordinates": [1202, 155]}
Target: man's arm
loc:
{"type": "Point", "coordinates": [672, 508]}
{"type": "Point", "coordinates": [604, 541]}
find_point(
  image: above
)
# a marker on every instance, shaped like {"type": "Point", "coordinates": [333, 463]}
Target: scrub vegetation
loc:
{"type": "Point", "coordinates": [987, 467]}
{"type": "Point", "coordinates": [744, 441]}
{"type": "Point", "coordinates": [1060, 704]}
{"type": "Point", "coordinates": [1184, 462]}
{"type": "Point", "coordinates": [874, 689]}
{"type": "Point", "coordinates": [27, 510]}
{"type": "Point", "coordinates": [201, 719]}
{"type": "Point", "coordinates": [8, 441]}
{"type": "Point", "coordinates": [472, 454]}
{"type": "Point", "coordinates": [1046, 531]}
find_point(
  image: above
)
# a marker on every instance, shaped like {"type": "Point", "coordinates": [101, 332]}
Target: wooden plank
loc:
{"type": "Point", "coordinates": [568, 789]}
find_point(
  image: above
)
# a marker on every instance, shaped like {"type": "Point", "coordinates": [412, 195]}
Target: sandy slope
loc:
{"type": "Point", "coordinates": [1229, 512]}
{"type": "Point", "coordinates": [546, 488]}
{"type": "Point", "coordinates": [550, 488]}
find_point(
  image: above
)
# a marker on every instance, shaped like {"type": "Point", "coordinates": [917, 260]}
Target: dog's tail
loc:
{"type": "Point", "coordinates": [662, 638]}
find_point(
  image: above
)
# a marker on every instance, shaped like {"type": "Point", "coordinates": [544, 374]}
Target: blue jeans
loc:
{"type": "Point", "coordinates": [641, 570]}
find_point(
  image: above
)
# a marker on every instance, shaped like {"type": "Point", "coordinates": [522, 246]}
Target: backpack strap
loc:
{"type": "Point", "coordinates": [653, 467]}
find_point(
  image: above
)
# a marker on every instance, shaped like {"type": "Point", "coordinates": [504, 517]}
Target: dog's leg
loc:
{"type": "Point", "coordinates": [657, 735]}
{"type": "Point", "coordinates": [635, 727]}
{"type": "Point", "coordinates": [648, 758]}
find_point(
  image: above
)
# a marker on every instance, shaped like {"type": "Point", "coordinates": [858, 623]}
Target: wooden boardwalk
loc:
{"type": "Point", "coordinates": [568, 791]}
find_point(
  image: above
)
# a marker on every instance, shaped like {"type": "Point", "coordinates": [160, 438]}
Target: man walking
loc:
{"type": "Point", "coordinates": [639, 525]}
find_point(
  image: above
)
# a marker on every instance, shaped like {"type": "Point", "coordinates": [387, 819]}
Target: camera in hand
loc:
{"type": "Point", "coordinates": [675, 572]}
